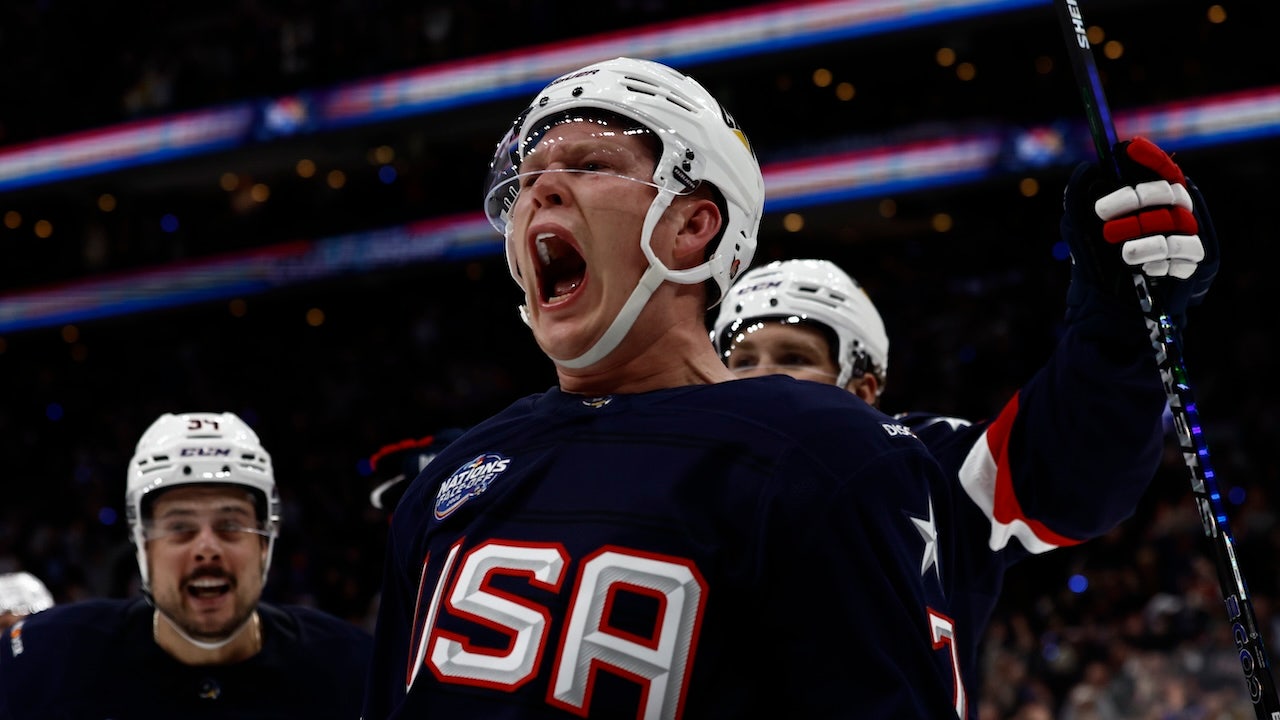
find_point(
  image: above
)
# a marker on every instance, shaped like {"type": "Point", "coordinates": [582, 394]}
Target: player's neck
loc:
{"type": "Point", "coordinates": [243, 644]}
{"type": "Point", "coordinates": [676, 357]}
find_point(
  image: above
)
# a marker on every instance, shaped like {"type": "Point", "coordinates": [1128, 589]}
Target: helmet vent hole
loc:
{"type": "Point", "coordinates": [186, 469]}
{"type": "Point", "coordinates": [642, 90]}
{"type": "Point", "coordinates": [773, 302]}
{"type": "Point", "coordinates": [681, 103]}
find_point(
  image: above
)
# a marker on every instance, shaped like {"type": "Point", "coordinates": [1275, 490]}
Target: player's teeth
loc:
{"type": "Point", "coordinates": [544, 253]}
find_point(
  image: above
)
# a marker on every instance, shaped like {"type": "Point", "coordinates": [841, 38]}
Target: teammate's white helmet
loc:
{"type": "Point", "coordinates": [200, 448]}
{"type": "Point", "coordinates": [22, 593]}
{"type": "Point", "coordinates": [815, 291]}
{"type": "Point", "coordinates": [700, 141]}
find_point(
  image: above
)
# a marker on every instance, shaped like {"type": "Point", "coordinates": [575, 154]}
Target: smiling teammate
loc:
{"type": "Point", "coordinates": [204, 514]}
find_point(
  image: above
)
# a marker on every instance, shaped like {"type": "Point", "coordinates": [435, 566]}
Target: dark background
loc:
{"type": "Point", "coordinates": [971, 309]}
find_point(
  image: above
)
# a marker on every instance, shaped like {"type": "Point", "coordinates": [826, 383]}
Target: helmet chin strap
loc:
{"type": "Point", "coordinates": [622, 322]}
{"type": "Point", "coordinates": [653, 277]}
{"type": "Point", "coordinates": [202, 644]}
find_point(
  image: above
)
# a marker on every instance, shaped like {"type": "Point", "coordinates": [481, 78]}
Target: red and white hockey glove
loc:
{"type": "Point", "coordinates": [1152, 221]}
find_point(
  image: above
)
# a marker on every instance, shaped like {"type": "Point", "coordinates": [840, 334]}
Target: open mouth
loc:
{"type": "Point", "coordinates": [562, 268]}
{"type": "Point", "coordinates": [208, 587]}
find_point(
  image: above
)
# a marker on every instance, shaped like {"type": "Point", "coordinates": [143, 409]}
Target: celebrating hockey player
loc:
{"type": "Point", "coordinates": [204, 514]}
{"type": "Point", "coordinates": [1070, 455]}
{"type": "Point", "coordinates": [649, 539]}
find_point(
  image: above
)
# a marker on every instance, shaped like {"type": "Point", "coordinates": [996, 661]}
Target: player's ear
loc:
{"type": "Point", "coordinates": [700, 225]}
{"type": "Point", "coordinates": [865, 387]}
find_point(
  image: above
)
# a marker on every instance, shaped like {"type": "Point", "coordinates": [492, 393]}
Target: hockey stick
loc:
{"type": "Point", "coordinates": [1186, 419]}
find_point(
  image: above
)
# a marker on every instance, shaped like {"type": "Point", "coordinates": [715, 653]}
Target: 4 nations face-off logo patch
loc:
{"type": "Point", "coordinates": [468, 481]}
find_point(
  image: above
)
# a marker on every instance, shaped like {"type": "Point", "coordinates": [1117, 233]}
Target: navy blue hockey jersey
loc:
{"type": "Point", "coordinates": [1066, 460]}
{"type": "Point", "coordinates": [96, 660]}
{"type": "Point", "coordinates": [757, 548]}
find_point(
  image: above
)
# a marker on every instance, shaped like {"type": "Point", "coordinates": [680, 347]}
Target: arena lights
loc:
{"type": "Point", "coordinates": [248, 273]}
{"type": "Point", "coordinates": [450, 85]}
{"type": "Point", "coordinates": [873, 172]}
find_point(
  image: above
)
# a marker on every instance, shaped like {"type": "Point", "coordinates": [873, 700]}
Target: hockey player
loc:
{"type": "Point", "coordinates": [204, 513]}
{"type": "Point", "coordinates": [648, 539]}
{"type": "Point", "coordinates": [1071, 453]}
{"type": "Point", "coordinates": [21, 594]}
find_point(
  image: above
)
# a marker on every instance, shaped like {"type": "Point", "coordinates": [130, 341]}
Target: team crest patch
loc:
{"type": "Point", "coordinates": [468, 481]}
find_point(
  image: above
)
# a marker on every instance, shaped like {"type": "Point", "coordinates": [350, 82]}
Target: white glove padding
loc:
{"type": "Point", "coordinates": [1154, 219]}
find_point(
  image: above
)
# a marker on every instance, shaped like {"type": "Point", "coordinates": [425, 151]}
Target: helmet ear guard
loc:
{"type": "Point", "coordinates": [199, 449]}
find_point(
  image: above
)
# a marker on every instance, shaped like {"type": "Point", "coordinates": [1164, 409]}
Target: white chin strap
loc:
{"type": "Point", "coordinates": [649, 282]}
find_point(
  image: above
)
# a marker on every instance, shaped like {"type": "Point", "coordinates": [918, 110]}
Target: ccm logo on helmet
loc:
{"type": "Point", "coordinates": [204, 452]}
{"type": "Point", "coordinates": [896, 430]}
{"type": "Point", "coordinates": [766, 285]}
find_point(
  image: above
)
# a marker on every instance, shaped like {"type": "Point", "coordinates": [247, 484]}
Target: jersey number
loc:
{"type": "Point", "coordinates": [943, 631]}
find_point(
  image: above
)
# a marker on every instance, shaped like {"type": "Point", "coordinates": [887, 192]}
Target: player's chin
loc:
{"type": "Point", "coordinates": [565, 337]}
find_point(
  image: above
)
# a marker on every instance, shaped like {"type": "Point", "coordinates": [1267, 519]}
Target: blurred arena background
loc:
{"type": "Point", "coordinates": [273, 208]}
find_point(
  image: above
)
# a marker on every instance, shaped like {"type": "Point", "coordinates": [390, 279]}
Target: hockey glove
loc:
{"type": "Point", "coordinates": [1152, 221]}
{"type": "Point", "coordinates": [396, 465]}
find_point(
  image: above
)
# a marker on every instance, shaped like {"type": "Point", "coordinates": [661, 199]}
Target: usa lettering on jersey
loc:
{"type": "Point", "coordinates": [660, 660]}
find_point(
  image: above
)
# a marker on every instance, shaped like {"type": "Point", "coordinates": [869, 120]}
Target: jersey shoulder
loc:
{"type": "Point", "coordinates": [820, 417]}
{"type": "Point", "coordinates": [82, 623]}
{"type": "Point", "coordinates": [57, 653]}
{"type": "Point", "coordinates": [306, 632]}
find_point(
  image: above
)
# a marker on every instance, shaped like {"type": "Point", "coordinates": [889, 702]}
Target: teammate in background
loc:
{"type": "Point", "coordinates": [650, 538]}
{"type": "Point", "coordinates": [21, 594]}
{"type": "Point", "coordinates": [204, 513]}
{"type": "Point", "coordinates": [1070, 455]}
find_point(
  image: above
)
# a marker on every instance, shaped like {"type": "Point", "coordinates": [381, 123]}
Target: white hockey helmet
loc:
{"type": "Point", "coordinates": [22, 593]}
{"type": "Point", "coordinates": [199, 448]}
{"type": "Point", "coordinates": [700, 143]}
{"type": "Point", "coordinates": [814, 291]}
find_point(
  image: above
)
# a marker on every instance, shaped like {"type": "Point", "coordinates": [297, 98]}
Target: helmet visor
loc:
{"type": "Point", "coordinates": [526, 153]}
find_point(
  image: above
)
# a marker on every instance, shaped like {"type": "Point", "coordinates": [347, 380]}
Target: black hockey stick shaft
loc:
{"type": "Point", "coordinates": [1166, 343]}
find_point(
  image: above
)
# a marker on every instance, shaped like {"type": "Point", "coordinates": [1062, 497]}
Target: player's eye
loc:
{"type": "Point", "coordinates": [179, 531]}
{"type": "Point", "coordinates": [230, 530]}
{"type": "Point", "coordinates": [796, 360]}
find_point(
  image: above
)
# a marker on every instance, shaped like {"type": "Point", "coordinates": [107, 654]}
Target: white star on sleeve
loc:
{"type": "Point", "coordinates": [928, 530]}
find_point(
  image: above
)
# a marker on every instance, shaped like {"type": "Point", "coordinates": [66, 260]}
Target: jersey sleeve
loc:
{"type": "Point", "coordinates": [1071, 454]}
{"type": "Point", "coordinates": [868, 560]}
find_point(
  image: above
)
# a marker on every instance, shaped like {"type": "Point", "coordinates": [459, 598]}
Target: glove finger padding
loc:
{"type": "Point", "coordinates": [1143, 215]}
{"type": "Point", "coordinates": [1152, 220]}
